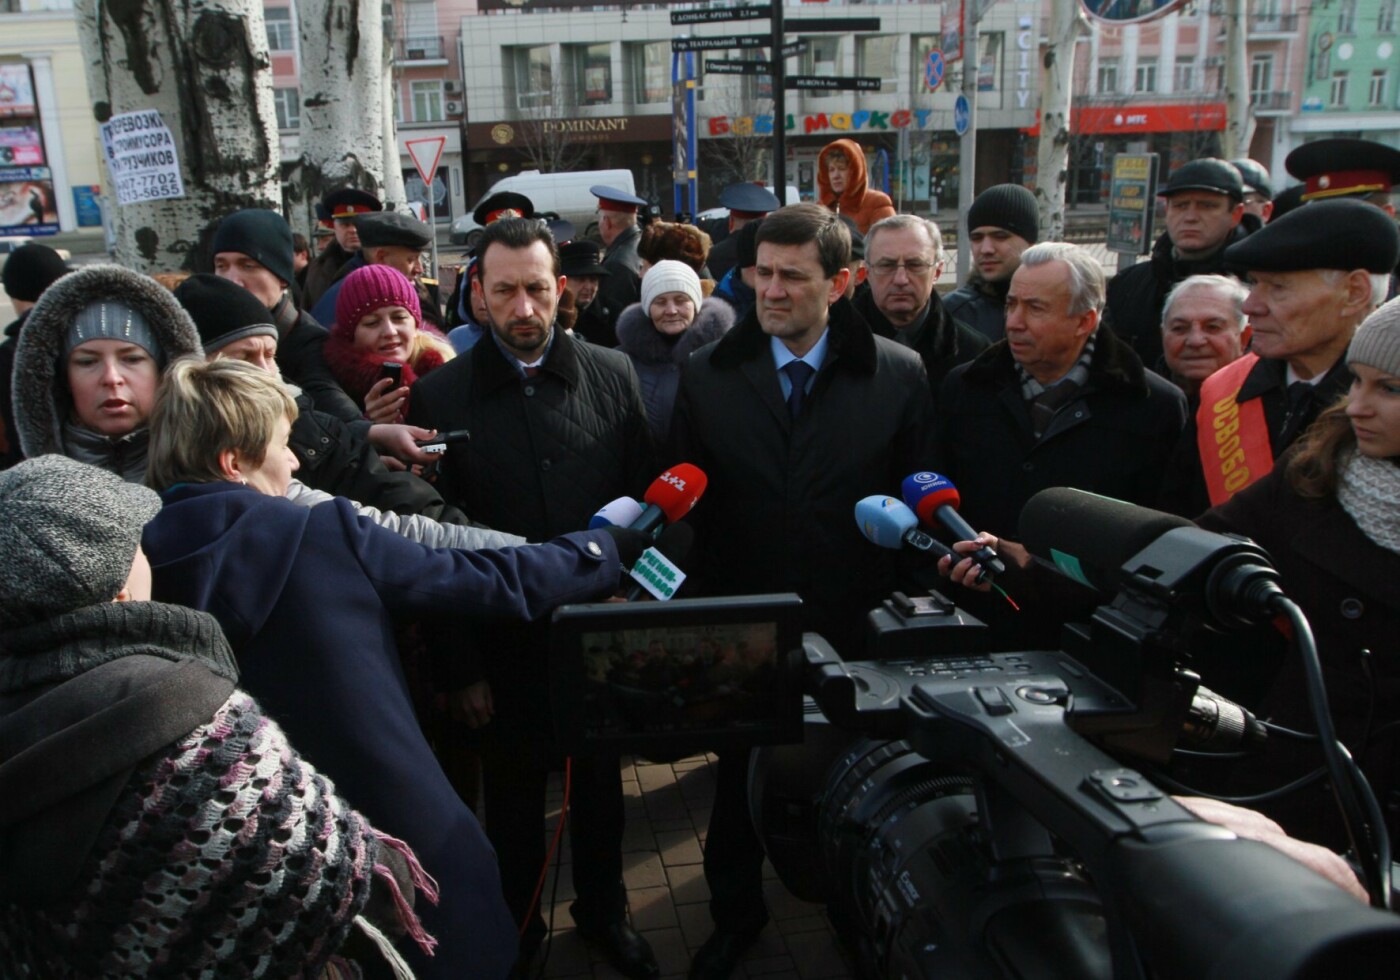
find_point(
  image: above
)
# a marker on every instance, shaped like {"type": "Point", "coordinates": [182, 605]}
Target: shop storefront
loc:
{"type": "Point", "coordinates": [1177, 132]}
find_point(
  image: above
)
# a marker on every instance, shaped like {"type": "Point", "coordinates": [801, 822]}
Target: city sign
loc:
{"type": "Point", "coordinates": [793, 48]}
{"type": "Point", "coordinates": [833, 83]}
{"type": "Point", "coordinates": [829, 25]}
{"type": "Point", "coordinates": [721, 43]}
{"type": "Point", "coordinates": [1129, 11]}
{"type": "Point", "coordinates": [962, 114]}
{"type": "Point", "coordinates": [717, 16]}
{"type": "Point", "coordinates": [736, 67]}
{"type": "Point", "coordinates": [933, 70]}
{"type": "Point", "coordinates": [1132, 200]}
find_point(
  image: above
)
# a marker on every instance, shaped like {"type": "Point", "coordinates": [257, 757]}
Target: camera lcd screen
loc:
{"type": "Point", "coordinates": [664, 677]}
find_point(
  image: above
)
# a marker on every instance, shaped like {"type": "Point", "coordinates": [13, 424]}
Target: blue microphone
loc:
{"type": "Point", "coordinates": [890, 523]}
{"type": "Point", "coordinates": [617, 513]}
{"type": "Point", "coordinates": [934, 498]}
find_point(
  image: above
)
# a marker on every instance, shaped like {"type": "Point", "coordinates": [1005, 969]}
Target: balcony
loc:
{"type": "Point", "coordinates": [428, 50]}
{"type": "Point", "coordinates": [1273, 25]}
{"type": "Point", "coordinates": [1270, 102]}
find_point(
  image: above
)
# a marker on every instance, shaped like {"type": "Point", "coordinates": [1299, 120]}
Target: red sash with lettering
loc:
{"type": "Point", "coordinates": [1233, 439]}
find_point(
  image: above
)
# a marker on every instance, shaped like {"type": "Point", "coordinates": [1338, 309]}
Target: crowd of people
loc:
{"type": "Point", "coordinates": [272, 664]}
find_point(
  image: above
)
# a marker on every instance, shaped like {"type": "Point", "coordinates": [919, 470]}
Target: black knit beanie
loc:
{"type": "Point", "coordinates": [30, 270]}
{"type": "Point", "coordinates": [223, 311]}
{"type": "Point", "coordinates": [1008, 206]}
{"type": "Point", "coordinates": [264, 236]}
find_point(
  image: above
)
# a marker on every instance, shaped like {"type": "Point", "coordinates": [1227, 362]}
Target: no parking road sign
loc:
{"type": "Point", "coordinates": [933, 70]}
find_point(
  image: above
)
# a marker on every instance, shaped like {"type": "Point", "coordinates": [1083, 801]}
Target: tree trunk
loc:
{"type": "Point", "coordinates": [1239, 114]}
{"type": "Point", "coordinates": [1052, 164]}
{"type": "Point", "coordinates": [204, 66]}
{"type": "Point", "coordinates": [342, 96]}
{"type": "Point", "coordinates": [394, 196]}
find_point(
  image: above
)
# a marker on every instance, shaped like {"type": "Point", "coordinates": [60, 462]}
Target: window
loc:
{"type": "Point", "coordinates": [1346, 17]}
{"type": "Point", "coordinates": [279, 29]}
{"type": "Point", "coordinates": [288, 102]}
{"type": "Point", "coordinates": [427, 100]}
{"type": "Point", "coordinates": [1323, 64]}
{"type": "Point", "coordinates": [1184, 77]}
{"type": "Point", "coordinates": [1339, 89]}
{"type": "Point", "coordinates": [651, 72]}
{"type": "Point", "coordinates": [875, 56]}
{"type": "Point", "coordinates": [1261, 77]}
{"type": "Point", "coordinates": [989, 63]}
{"type": "Point", "coordinates": [534, 77]}
{"type": "Point", "coordinates": [1145, 77]}
{"type": "Point", "coordinates": [592, 73]}
{"type": "Point", "coordinates": [1376, 98]}
{"type": "Point", "coordinates": [822, 56]}
{"type": "Point", "coordinates": [1108, 76]}
{"type": "Point", "coordinates": [1264, 9]}
{"type": "Point", "coordinates": [1385, 17]}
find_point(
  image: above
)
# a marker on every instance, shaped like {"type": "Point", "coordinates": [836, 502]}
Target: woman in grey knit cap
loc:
{"type": "Point", "coordinates": [153, 821]}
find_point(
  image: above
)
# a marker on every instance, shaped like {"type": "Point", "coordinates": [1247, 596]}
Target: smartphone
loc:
{"type": "Point", "coordinates": [394, 370]}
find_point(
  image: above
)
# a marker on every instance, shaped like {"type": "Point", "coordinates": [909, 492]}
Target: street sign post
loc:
{"type": "Point", "coordinates": [426, 153]}
{"type": "Point", "coordinates": [721, 15]}
{"type": "Point", "coordinates": [737, 67]}
{"type": "Point", "coordinates": [720, 43]}
{"type": "Point", "coordinates": [934, 67]}
{"type": "Point", "coordinates": [962, 114]}
{"type": "Point", "coordinates": [829, 25]}
{"type": "Point", "coordinates": [833, 83]}
{"type": "Point", "coordinates": [794, 48]}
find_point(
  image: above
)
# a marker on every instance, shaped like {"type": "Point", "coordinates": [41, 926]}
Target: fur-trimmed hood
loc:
{"type": "Point", "coordinates": [40, 399]}
{"type": "Point", "coordinates": [639, 339]}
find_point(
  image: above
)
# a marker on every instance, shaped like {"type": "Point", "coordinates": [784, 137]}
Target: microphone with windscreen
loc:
{"type": "Point", "coordinates": [933, 498]}
{"type": "Point", "coordinates": [670, 497]}
{"type": "Point", "coordinates": [616, 513]}
{"type": "Point", "coordinates": [890, 523]}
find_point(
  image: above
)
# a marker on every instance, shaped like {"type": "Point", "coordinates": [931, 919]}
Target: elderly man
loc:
{"type": "Point", "coordinates": [795, 414]}
{"type": "Point", "coordinates": [397, 240]}
{"type": "Point", "coordinates": [1314, 275]}
{"type": "Point", "coordinates": [620, 232]}
{"type": "Point", "coordinates": [582, 264]}
{"type": "Point", "coordinates": [1002, 223]}
{"type": "Point", "coordinates": [1058, 403]}
{"type": "Point", "coordinates": [339, 210]}
{"type": "Point", "coordinates": [1202, 329]}
{"type": "Point", "coordinates": [560, 426]}
{"type": "Point", "coordinates": [1205, 213]}
{"type": "Point", "coordinates": [904, 258]}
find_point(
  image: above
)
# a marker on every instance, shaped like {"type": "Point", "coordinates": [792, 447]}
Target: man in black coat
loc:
{"type": "Point", "coordinates": [30, 269]}
{"type": "Point", "coordinates": [904, 256]}
{"type": "Point", "coordinates": [795, 415]}
{"type": "Point", "coordinates": [1205, 215]}
{"type": "Point", "coordinates": [621, 233]}
{"type": "Point", "coordinates": [558, 429]}
{"type": "Point", "coordinates": [1059, 403]}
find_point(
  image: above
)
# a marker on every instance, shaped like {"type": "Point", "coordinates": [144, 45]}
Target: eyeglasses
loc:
{"type": "Point", "coordinates": [884, 268]}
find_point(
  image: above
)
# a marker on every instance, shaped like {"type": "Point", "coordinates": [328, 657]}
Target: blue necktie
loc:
{"type": "Point", "coordinates": [798, 372]}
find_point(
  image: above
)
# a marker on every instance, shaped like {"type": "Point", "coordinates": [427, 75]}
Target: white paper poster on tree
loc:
{"type": "Point", "coordinates": [141, 157]}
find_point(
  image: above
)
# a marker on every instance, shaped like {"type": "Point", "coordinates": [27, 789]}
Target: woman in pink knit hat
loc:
{"type": "Point", "coordinates": [377, 322]}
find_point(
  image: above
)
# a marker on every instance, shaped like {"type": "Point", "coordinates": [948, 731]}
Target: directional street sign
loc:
{"type": "Point", "coordinates": [721, 43]}
{"type": "Point", "coordinates": [962, 114]}
{"type": "Point", "coordinates": [933, 70]}
{"type": "Point", "coordinates": [716, 16]}
{"type": "Point", "coordinates": [839, 25]}
{"type": "Point", "coordinates": [735, 67]}
{"type": "Point", "coordinates": [794, 48]}
{"type": "Point", "coordinates": [845, 83]}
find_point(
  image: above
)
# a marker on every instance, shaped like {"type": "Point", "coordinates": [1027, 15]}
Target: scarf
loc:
{"type": "Point", "coordinates": [1369, 491]}
{"type": "Point", "coordinates": [1046, 400]}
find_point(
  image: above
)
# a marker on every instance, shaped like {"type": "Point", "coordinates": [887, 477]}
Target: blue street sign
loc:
{"type": "Point", "coordinates": [962, 114]}
{"type": "Point", "coordinates": [933, 70]}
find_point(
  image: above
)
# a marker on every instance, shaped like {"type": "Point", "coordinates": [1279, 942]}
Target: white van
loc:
{"type": "Point", "coordinates": [566, 194]}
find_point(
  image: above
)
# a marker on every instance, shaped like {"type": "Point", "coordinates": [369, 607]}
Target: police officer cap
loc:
{"type": "Point", "coordinates": [503, 204]}
{"type": "Point", "coordinates": [580, 259]}
{"type": "Point", "coordinates": [1206, 174]}
{"type": "Point", "coordinates": [612, 199]}
{"type": "Point", "coordinates": [1341, 234]}
{"type": "Point", "coordinates": [560, 229]}
{"type": "Point", "coordinates": [748, 200]}
{"type": "Point", "coordinates": [1338, 167]}
{"type": "Point", "coordinates": [346, 202]}
{"type": "Point", "coordinates": [393, 228]}
{"type": "Point", "coordinates": [1256, 177]}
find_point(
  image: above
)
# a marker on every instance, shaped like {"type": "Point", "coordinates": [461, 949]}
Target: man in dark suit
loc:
{"type": "Point", "coordinates": [560, 427]}
{"type": "Point", "coordinates": [795, 415]}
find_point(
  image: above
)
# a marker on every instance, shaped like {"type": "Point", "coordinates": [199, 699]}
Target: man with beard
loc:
{"type": "Point", "coordinates": [561, 428]}
{"type": "Point", "coordinates": [1002, 223]}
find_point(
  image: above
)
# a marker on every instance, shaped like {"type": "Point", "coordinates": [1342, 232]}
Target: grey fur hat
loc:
{"type": "Point", "coordinates": [39, 394]}
{"type": "Point", "coordinates": [69, 536]}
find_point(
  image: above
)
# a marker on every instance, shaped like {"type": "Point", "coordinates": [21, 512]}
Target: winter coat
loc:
{"type": "Point", "coordinates": [1184, 487]}
{"type": "Point", "coordinates": [9, 452]}
{"type": "Point", "coordinates": [776, 515]}
{"type": "Point", "coordinates": [415, 527]}
{"type": "Point", "coordinates": [737, 293]}
{"type": "Point", "coordinates": [859, 203]}
{"type": "Point", "coordinates": [659, 359]}
{"type": "Point", "coordinates": [940, 340]}
{"type": "Point", "coordinates": [356, 371]}
{"type": "Point", "coordinates": [724, 255]}
{"type": "Point", "coordinates": [323, 270]}
{"type": "Point", "coordinates": [1346, 584]}
{"type": "Point", "coordinates": [1113, 439]}
{"type": "Point", "coordinates": [301, 359]}
{"type": "Point", "coordinates": [622, 286]}
{"type": "Point", "coordinates": [1137, 295]}
{"type": "Point", "coordinates": [124, 735]}
{"type": "Point", "coordinates": [981, 305]}
{"type": "Point", "coordinates": [308, 597]}
{"type": "Point", "coordinates": [41, 404]}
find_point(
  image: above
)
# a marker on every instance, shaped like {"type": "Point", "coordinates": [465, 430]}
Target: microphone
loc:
{"type": "Point", "coordinates": [890, 523]}
{"type": "Point", "coordinates": [934, 498]}
{"type": "Point", "coordinates": [617, 513]}
{"type": "Point", "coordinates": [673, 546]}
{"type": "Point", "coordinates": [670, 497]}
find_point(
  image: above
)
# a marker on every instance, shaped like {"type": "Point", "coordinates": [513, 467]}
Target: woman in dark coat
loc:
{"type": "Point", "coordinates": [661, 332]}
{"type": "Point", "coordinates": [307, 596]}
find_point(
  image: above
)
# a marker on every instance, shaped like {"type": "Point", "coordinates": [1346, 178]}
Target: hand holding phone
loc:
{"type": "Point", "coordinates": [439, 443]}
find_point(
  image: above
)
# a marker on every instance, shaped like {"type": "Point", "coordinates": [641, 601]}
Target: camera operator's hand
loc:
{"type": "Point", "coordinates": [473, 704]}
{"type": "Point", "coordinates": [1253, 825]}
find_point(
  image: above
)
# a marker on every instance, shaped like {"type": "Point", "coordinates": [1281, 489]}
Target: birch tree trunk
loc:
{"type": "Point", "coordinates": [204, 66]}
{"type": "Point", "coordinates": [342, 97]}
{"type": "Point", "coordinates": [1052, 162]}
{"type": "Point", "coordinates": [394, 196]}
{"type": "Point", "coordinates": [1239, 114]}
